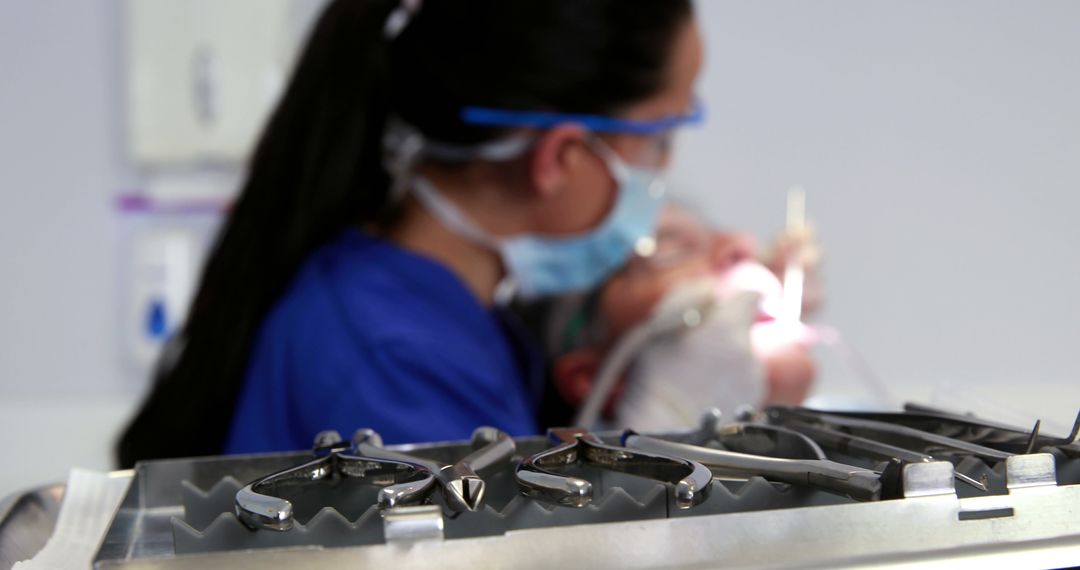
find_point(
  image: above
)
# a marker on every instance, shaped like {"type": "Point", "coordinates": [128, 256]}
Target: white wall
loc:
{"type": "Point", "coordinates": [62, 164]}
{"type": "Point", "coordinates": [63, 386]}
{"type": "Point", "coordinates": [939, 142]}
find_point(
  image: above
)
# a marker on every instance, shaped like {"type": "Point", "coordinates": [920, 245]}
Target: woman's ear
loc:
{"type": "Point", "coordinates": [558, 153]}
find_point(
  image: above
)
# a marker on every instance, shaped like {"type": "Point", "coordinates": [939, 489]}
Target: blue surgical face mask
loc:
{"type": "Point", "coordinates": [542, 265]}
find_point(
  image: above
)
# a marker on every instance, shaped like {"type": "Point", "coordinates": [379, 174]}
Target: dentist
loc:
{"type": "Point", "coordinates": [426, 164]}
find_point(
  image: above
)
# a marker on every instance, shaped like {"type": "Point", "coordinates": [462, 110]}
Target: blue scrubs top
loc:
{"type": "Point", "coordinates": [371, 335]}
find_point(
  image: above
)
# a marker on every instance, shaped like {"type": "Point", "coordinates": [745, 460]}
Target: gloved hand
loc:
{"type": "Point", "coordinates": [782, 345]}
{"type": "Point", "coordinates": [803, 247]}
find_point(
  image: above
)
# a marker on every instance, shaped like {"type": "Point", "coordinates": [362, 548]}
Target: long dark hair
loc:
{"type": "Point", "coordinates": [317, 168]}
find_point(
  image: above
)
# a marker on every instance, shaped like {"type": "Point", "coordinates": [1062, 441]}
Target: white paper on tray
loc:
{"type": "Point", "coordinates": [90, 500]}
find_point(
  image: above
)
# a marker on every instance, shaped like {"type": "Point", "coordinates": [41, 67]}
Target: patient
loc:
{"type": "Point", "coordinates": [740, 355]}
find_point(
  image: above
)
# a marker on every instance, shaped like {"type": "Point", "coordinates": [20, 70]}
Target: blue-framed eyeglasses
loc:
{"type": "Point", "coordinates": [489, 117]}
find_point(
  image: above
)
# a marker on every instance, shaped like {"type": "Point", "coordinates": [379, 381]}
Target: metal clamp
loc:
{"type": "Point", "coordinates": [929, 479]}
{"type": "Point", "coordinates": [692, 480]}
{"type": "Point", "coordinates": [1034, 470]}
{"type": "Point", "coordinates": [413, 523]}
{"type": "Point", "coordinates": [260, 506]}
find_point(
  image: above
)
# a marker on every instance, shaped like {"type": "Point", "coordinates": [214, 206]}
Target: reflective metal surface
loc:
{"type": "Point", "coordinates": [260, 504]}
{"type": "Point", "coordinates": [691, 479]}
{"type": "Point", "coordinates": [892, 433]}
{"type": "Point", "coordinates": [1042, 532]}
{"type": "Point", "coordinates": [461, 482]}
{"type": "Point", "coordinates": [27, 520]}
{"type": "Point", "coordinates": [858, 483]}
{"type": "Point", "coordinates": [929, 480]}
{"type": "Point", "coordinates": [1035, 470]}
{"type": "Point", "coordinates": [408, 524]}
{"type": "Point", "coordinates": [178, 513]}
{"type": "Point", "coordinates": [1025, 523]}
{"type": "Point", "coordinates": [871, 449]}
{"type": "Point", "coordinates": [752, 437]}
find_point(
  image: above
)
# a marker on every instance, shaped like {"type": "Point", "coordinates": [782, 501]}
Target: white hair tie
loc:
{"type": "Point", "coordinates": [399, 19]}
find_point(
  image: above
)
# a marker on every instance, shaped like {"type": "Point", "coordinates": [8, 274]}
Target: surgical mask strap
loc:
{"type": "Point", "coordinates": [449, 214]}
{"type": "Point", "coordinates": [619, 168]}
{"type": "Point", "coordinates": [456, 220]}
{"type": "Point", "coordinates": [404, 146]}
{"type": "Point", "coordinates": [495, 151]}
{"type": "Point", "coordinates": [611, 158]}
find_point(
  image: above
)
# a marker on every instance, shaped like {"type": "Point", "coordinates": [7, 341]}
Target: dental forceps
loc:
{"type": "Point", "coordinates": [970, 429]}
{"type": "Point", "coordinates": [461, 482]}
{"type": "Point", "coordinates": [751, 437]}
{"type": "Point", "coordinates": [575, 445]}
{"type": "Point", "coordinates": [898, 435]}
{"type": "Point", "coordinates": [873, 450]}
{"type": "Point", "coordinates": [260, 506]}
{"type": "Point", "coordinates": [856, 482]}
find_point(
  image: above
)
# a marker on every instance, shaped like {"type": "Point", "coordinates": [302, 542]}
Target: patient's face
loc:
{"type": "Point", "coordinates": [686, 249]}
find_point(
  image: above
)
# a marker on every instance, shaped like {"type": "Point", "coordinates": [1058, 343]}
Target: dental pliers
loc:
{"type": "Point", "coordinates": [536, 479]}
{"type": "Point", "coordinates": [259, 505]}
{"type": "Point", "coordinates": [461, 482]}
{"type": "Point", "coordinates": [855, 482]}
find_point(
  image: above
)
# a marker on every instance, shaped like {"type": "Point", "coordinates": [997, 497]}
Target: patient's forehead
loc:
{"type": "Point", "coordinates": [682, 239]}
{"type": "Point", "coordinates": [629, 296]}
{"type": "Point", "coordinates": [679, 216]}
